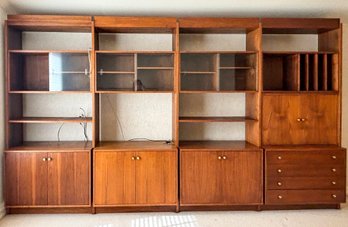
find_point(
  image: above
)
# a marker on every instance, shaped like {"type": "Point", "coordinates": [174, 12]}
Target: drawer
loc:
{"type": "Point", "coordinates": [306, 182]}
{"type": "Point", "coordinates": [316, 157]}
{"type": "Point", "coordinates": [298, 197]}
{"type": "Point", "coordinates": [305, 170]}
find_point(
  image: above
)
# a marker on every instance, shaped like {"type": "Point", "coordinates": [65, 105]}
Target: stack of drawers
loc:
{"type": "Point", "coordinates": [309, 176]}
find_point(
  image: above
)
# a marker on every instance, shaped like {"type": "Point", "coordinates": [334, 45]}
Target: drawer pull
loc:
{"type": "Point", "coordinates": [298, 119]}
{"type": "Point", "coordinates": [334, 196]}
{"type": "Point", "coordinates": [219, 157]}
{"type": "Point", "coordinates": [334, 157]}
{"type": "Point", "coordinates": [279, 170]}
{"type": "Point", "coordinates": [333, 170]}
{"type": "Point", "coordinates": [280, 197]}
{"type": "Point", "coordinates": [138, 158]}
{"type": "Point", "coordinates": [133, 158]}
{"type": "Point", "coordinates": [279, 183]}
{"type": "Point", "coordinates": [224, 157]}
{"type": "Point", "coordinates": [279, 157]}
{"type": "Point", "coordinates": [44, 159]}
{"type": "Point", "coordinates": [333, 182]}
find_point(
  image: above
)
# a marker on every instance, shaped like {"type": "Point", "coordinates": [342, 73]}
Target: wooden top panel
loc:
{"type": "Point", "coordinates": [135, 24]}
{"type": "Point", "coordinates": [51, 146]}
{"type": "Point", "coordinates": [302, 147]}
{"type": "Point", "coordinates": [134, 146]}
{"type": "Point", "coordinates": [298, 25]}
{"type": "Point", "coordinates": [217, 25]}
{"type": "Point", "coordinates": [217, 145]}
{"type": "Point", "coordinates": [50, 23]}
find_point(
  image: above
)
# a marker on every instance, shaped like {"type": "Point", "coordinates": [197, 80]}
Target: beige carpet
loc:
{"type": "Point", "coordinates": [307, 218]}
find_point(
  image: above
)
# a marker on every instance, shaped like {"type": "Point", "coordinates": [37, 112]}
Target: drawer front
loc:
{"type": "Point", "coordinates": [318, 157]}
{"type": "Point", "coordinates": [278, 197]}
{"type": "Point", "coordinates": [306, 182]}
{"type": "Point", "coordinates": [305, 171]}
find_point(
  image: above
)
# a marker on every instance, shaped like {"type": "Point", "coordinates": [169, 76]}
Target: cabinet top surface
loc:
{"type": "Point", "coordinates": [53, 146]}
{"type": "Point", "coordinates": [217, 145]}
{"type": "Point", "coordinates": [134, 146]}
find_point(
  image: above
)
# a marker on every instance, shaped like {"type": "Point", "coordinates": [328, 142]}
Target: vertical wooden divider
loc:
{"type": "Point", "coordinates": [324, 72]}
{"type": "Point", "coordinates": [315, 72]}
{"type": "Point", "coordinates": [135, 56]}
{"type": "Point", "coordinates": [306, 72]}
{"type": "Point", "coordinates": [253, 100]}
{"type": "Point", "coordinates": [176, 88]}
{"type": "Point", "coordinates": [217, 72]}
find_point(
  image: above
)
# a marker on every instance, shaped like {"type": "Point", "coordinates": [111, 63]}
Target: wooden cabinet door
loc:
{"type": "Point", "coordinates": [26, 179]}
{"type": "Point", "coordinates": [242, 177]}
{"type": "Point", "coordinates": [156, 177]}
{"type": "Point", "coordinates": [200, 177]}
{"type": "Point", "coordinates": [114, 178]}
{"type": "Point", "coordinates": [68, 174]}
{"type": "Point", "coordinates": [280, 123]}
{"type": "Point", "coordinates": [320, 119]}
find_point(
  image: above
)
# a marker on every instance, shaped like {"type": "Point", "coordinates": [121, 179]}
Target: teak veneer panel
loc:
{"type": "Point", "coordinates": [217, 145]}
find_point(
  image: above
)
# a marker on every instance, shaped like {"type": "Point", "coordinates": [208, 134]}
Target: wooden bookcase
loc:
{"type": "Point", "coordinates": [255, 120]}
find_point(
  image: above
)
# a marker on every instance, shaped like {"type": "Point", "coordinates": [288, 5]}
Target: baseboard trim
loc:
{"type": "Point", "coordinates": [2, 210]}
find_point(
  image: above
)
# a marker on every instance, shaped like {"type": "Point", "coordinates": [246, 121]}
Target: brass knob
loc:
{"type": "Point", "coordinates": [279, 157]}
{"type": "Point", "coordinates": [133, 158]}
{"type": "Point", "coordinates": [280, 197]}
{"type": "Point", "coordinates": [334, 196]}
{"type": "Point", "coordinates": [224, 157]}
{"type": "Point", "coordinates": [138, 158]}
{"type": "Point", "coordinates": [219, 157]}
{"type": "Point", "coordinates": [44, 159]}
{"type": "Point", "coordinates": [298, 119]}
{"type": "Point", "coordinates": [279, 170]}
{"type": "Point", "coordinates": [333, 182]}
{"type": "Point", "coordinates": [303, 119]}
{"type": "Point", "coordinates": [279, 183]}
{"type": "Point", "coordinates": [334, 157]}
{"type": "Point", "coordinates": [49, 159]}
{"type": "Point", "coordinates": [333, 170]}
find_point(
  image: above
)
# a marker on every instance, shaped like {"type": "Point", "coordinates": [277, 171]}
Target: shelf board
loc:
{"type": "Point", "coordinates": [237, 67]}
{"type": "Point", "coordinates": [114, 72]}
{"type": "Point", "coordinates": [300, 92]}
{"type": "Point", "coordinates": [130, 91]}
{"type": "Point", "coordinates": [134, 146]}
{"type": "Point", "coordinates": [50, 146]}
{"type": "Point", "coordinates": [132, 52]}
{"type": "Point", "coordinates": [47, 92]}
{"type": "Point", "coordinates": [298, 52]}
{"type": "Point", "coordinates": [48, 51]}
{"type": "Point", "coordinates": [219, 52]}
{"type": "Point", "coordinates": [51, 120]}
{"type": "Point", "coordinates": [217, 145]}
{"type": "Point", "coordinates": [155, 68]}
{"type": "Point", "coordinates": [215, 119]}
{"type": "Point", "coordinates": [214, 91]}
{"type": "Point", "coordinates": [197, 72]}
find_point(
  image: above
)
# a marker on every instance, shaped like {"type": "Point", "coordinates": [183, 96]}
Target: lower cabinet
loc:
{"type": "Point", "coordinates": [141, 178]}
{"type": "Point", "coordinates": [221, 177]}
{"type": "Point", "coordinates": [36, 179]}
{"type": "Point", "coordinates": [305, 176]}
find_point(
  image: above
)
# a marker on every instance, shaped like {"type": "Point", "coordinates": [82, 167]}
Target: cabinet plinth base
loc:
{"type": "Point", "coordinates": [55, 210]}
{"type": "Point", "coordinates": [135, 209]}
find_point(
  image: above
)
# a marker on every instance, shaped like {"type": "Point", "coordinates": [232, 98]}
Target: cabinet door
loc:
{"type": "Point", "coordinates": [114, 178]}
{"type": "Point", "coordinates": [68, 174]}
{"type": "Point", "coordinates": [242, 177]}
{"type": "Point", "coordinates": [320, 118]}
{"type": "Point", "coordinates": [200, 177]}
{"type": "Point", "coordinates": [156, 177]}
{"type": "Point", "coordinates": [280, 123]}
{"type": "Point", "coordinates": [26, 179]}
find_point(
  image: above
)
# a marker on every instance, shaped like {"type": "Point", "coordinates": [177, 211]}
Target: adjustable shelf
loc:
{"type": "Point", "coordinates": [51, 120]}
{"type": "Point", "coordinates": [215, 119]}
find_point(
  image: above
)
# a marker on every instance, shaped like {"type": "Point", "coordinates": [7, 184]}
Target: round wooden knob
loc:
{"type": "Point", "coordinates": [333, 182]}
{"type": "Point", "coordinates": [333, 170]}
{"type": "Point", "coordinates": [334, 157]}
{"type": "Point", "coordinates": [280, 197]}
{"type": "Point", "coordinates": [279, 183]}
{"type": "Point", "coordinates": [279, 170]}
{"type": "Point", "coordinates": [279, 157]}
{"type": "Point", "coordinates": [334, 196]}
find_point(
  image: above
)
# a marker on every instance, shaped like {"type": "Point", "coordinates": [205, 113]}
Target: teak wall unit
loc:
{"type": "Point", "coordinates": [291, 156]}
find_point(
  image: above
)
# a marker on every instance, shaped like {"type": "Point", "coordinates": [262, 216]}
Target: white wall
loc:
{"type": "Point", "coordinates": [2, 106]}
